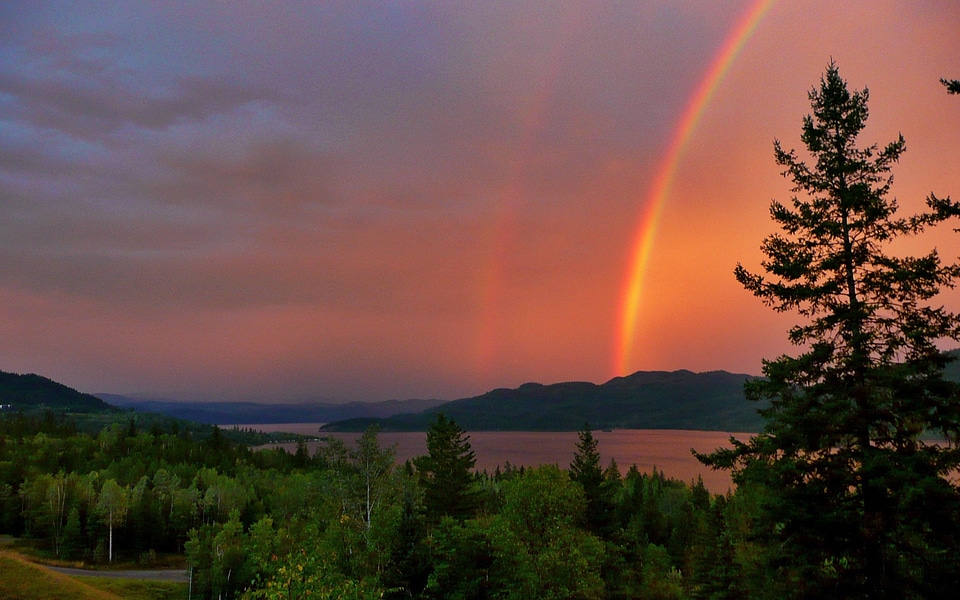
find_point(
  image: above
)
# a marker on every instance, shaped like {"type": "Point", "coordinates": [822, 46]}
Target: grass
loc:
{"type": "Point", "coordinates": [23, 580]}
{"type": "Point", "coordinates": [26, 548]}
{"type": "Point", "coordinates": [136, 589]}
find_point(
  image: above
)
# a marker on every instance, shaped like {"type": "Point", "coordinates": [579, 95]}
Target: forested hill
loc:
{"type": "Point", "coordinates": [234, 413]}
{"type": "Point", "coordinates": [32, 392]}
{"type": "Point", "coordinates": [711, 401]}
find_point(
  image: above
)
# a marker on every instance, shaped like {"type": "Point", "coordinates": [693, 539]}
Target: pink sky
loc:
{"type": "Point", "coordinates": [350, 201]}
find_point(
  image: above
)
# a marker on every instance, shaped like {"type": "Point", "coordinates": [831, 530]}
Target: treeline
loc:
{"type": "Point", "coordinates": [350, 522]}
{"type": "Point", "coordinates": [72, 491]}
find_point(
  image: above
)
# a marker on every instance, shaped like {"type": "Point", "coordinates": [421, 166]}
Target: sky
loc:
{"type": "Point", "coordinates": [291, 201]}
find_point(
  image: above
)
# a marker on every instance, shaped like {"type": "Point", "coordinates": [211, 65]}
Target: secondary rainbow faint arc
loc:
{"type": "Point", "coordinates": [532, 120]}
{"type": "Point", "coordinates": [660, 189]}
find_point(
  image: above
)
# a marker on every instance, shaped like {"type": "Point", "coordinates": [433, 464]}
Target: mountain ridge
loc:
{"type": "Point", "coordinates": [681, 399]}
{"type": "Point", "coordinates": [710, 401]}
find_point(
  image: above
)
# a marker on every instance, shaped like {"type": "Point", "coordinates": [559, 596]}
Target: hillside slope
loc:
{"type": "Point", "coordinates": [33, 392]}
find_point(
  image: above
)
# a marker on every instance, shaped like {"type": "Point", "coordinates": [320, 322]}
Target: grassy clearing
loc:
{"type": "Point", "coordinates": [23, 580]}
{"type": "Point", "coordinates": [135, 589]}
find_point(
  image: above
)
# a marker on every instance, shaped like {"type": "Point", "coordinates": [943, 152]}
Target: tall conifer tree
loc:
{"type": "Point", "coordinates": [447, 472]}
{"type": "Point", "coordinates": [586, 470]}
{"type": "Point", "coordinates": [861, 502]}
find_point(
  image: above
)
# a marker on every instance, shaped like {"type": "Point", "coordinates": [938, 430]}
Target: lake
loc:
{"type": "Point", "coordinates": [666, 450]}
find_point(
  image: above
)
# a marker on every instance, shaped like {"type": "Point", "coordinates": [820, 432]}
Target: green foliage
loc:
{"type": "Point", "coordinates": [348, 521]}
{"type": "Point", "coordinates": [222, 565]}
{"type": "Point", "coordinates": [374, 465]}
{"type": "Point", "coordinates": [112, 505]}
{"type": "Point", "coordinates": [308, 573]}
{"type": "Point", "coordinates": [462, 556]}
{"type": "Point", "coordinates": [860, 502]}
{"type": "Point", "coordinates": [539, 547]}
{"type": "Point", "coordinates": [661, 580]}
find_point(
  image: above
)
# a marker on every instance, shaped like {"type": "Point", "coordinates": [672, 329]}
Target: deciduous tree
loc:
{"type": "Point", "coordinates": [113, 504]}
{"type": "Point", "coordinates": [375, 465]}
{"type": "Point", "coordinates": [539, 549]}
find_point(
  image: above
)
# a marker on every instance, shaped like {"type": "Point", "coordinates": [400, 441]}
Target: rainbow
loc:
{"type": "Point", "coordinates": [632, 295]}
{"type": "Point", "coordinates": [531, 119]}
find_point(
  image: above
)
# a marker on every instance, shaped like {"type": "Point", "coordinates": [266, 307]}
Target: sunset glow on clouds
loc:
{"type": "Point", "coordinates": [363, 201]}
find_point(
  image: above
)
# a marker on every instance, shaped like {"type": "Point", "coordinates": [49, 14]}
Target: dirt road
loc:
{"type": "Point", "coordinates": [175, 575]}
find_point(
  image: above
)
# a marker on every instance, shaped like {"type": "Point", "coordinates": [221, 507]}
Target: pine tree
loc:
{"type": "Point", "coordinates": [447, 472]}
{"type": "Point", "coordinates": [586, 470]}
{"type": "Point", "coordinates": [861, 502]}
{"type": "Point", "coordinates": [301, 458]}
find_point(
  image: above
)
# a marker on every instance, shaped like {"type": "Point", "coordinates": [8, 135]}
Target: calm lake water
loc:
{"type": "Point", "coordinates": [666, 450]}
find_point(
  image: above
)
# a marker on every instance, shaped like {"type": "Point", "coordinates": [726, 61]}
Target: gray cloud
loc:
{"type": "Point", "coordinates": [93, 107]}
{"type": "Point", "coordinates": [280, 177]}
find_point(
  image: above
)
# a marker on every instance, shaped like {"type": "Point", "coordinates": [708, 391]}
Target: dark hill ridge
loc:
{"type": "Point", "coordinates": [712, 401]}
{"type": "Point", "coordinates": [644, 400]}
{"type": "Point", "coordinates": [233, 413]}
{"type": "Point", "coordinates": [32, 392]}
